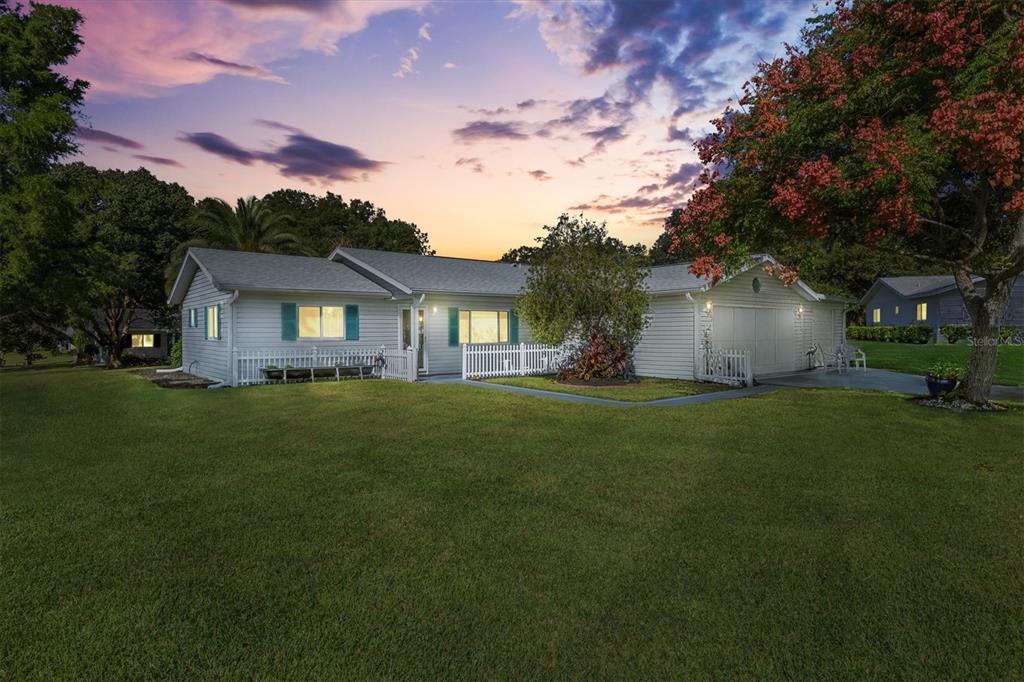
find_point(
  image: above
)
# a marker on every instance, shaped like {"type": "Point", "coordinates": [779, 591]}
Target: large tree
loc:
{"type": "Point", "coordinates": [898, 125]}
{"type": "Point", "coordinates": [39, 241]}
{"type": "Point", "coordinates": [329, 221]}
{"type": "Point", "coordinates": [585, 289]}
{"type": "Point", "coordinates": [132, 223]}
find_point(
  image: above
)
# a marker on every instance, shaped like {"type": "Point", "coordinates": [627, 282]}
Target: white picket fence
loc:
{"type": "Point", "coordinates": [727, 366]}
{"type": "Point", "coordinates": [483, 360]}
{"type": "Point", "coordinates": [249, 363]}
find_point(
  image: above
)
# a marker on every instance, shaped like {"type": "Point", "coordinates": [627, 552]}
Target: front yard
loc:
{"type": "Point", "coordinates": [378, 529]}
{"type": "Point", "coordinates": [645, 389]}
{"type": "Point", "coordinates": [915, 359]}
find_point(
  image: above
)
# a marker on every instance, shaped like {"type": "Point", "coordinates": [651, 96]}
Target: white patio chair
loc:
{"type": "Point", "coordinates": [856, 356]}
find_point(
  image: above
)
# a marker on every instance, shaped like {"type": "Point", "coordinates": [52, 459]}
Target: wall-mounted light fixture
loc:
{"type": "Point", "coordinates": [707, 306]}
{"type": "Point", "coordinates": [434, 309]}
{"type": "Point", "coordinates": [800, 311]}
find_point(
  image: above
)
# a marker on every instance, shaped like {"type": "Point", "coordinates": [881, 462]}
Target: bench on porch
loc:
{"type": "Point", "coordinates": [337, 372]}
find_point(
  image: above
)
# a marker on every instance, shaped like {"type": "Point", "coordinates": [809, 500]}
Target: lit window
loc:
{"type": "Point", "coordinates": [483, 326]}
{"type": "Point", "coordinates": [876, 315]}
{"type": "Point", "coordinates": [142, 340]}
{"type": "Point", "coordinates": [922, 311]}
{"type": "Point", "coordinates": [897, 311]}
{"type": "Point", "coordinates": [317, 322]}
{"type": "Point", "coordinates": [213, 322]}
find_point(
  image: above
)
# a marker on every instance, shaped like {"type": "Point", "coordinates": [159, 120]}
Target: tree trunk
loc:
{"type": "Point", "coordinates": [986, 313]}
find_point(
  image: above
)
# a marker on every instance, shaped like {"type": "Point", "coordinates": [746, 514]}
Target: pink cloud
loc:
{"type": "Point", "coordinates": [145, 49]}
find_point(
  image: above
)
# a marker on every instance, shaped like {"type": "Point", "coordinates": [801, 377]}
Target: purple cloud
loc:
{"type": "Point", "coordinates": [301, 156]}
{"type": "Point", "coordinates": [476, 131]}
{"type": "Point", "coordinates": [159, 160]}
{"type": "Point", "coordinates": [220, 146]}
{"type": "Point", "coordinates": [103, 137]}
{"type": "Point", "coordinates": [474, 164]}
{"type": "Point", "coordinates": [235, 68]}
{"type": "Point", "coordinates": [541, 175]}
{"type": "Point", "coordinates": [684, 177]}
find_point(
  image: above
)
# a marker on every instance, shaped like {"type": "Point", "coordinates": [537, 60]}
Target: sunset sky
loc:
{"type": "Point", "coordinates": [479, 121]}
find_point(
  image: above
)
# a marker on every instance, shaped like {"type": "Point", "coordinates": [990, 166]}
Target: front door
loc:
{"type": "Point", "coordinates": [407, 334]}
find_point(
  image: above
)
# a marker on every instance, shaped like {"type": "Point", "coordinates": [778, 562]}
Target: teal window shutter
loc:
{"type": "Point", "coordinates": [220, 321]}
{"type": "Point", "coordinates": [513, 327]}
{"type": "Point", "coordinates": [206, 323]}
{"type": "Point", "coordinates": [453, 327]}
{"type": "Point", "coordinates": [351, 323]}
{"type": "Point", "coordinates": [289, 321]}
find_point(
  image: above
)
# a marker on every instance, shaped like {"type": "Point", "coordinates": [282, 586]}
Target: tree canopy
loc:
{"type": "Point", "coordinates": [323, 223]}
{"type": "Point", "coordinates": [896, 125]}
{"type": "Point", "coordinates": [584, 288]}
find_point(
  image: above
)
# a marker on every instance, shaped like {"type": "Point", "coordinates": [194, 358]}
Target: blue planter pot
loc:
{"type": "Point", "coordinates": [937, 386]}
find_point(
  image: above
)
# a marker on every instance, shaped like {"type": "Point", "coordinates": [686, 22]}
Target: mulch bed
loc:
{"type": "Point", "coordinates": [176, 379]}
{"type": "Point", "coordinates": [598, 383]}
{"type": "Point", "coordinates": [959, 405]}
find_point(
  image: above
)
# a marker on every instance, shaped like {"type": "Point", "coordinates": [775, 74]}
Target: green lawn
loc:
{"type": "Point", "coordinates": [914, 358]}
{"type": "Point", "coordinates": [645, 389]}
{"type": "Point", "coordinates": [384, 530]}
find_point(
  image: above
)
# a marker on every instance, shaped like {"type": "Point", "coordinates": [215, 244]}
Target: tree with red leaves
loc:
{"type": "Point", "coordinates": [899, 125]}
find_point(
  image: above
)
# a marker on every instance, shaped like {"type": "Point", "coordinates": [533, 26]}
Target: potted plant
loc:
{"type": "Point", "coordinates": [941, 377]}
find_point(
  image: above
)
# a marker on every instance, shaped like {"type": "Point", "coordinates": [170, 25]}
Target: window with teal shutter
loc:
{"type": "Point", "coordinates": [351, 323]}
{"type": "Point", "coordinates": [289, 321]}
{"type": "Point", "coordinates": [513, 327]}
{"type": "Point", "coordinates": [453, 327]}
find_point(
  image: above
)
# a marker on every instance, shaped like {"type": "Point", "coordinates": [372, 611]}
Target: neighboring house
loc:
{"type": "Point", "coordinates": [933, 300]}
{"type": "Point", "coordinates": [145, 338]}
{"type": "Point", "coordinates": [235, 301]}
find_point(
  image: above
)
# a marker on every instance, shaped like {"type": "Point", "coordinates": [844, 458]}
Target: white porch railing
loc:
{"type": "Point", "coordinates": [483, 360]}
{"type": "Point", "coordinates": [249, 363]}
{"type": "Point", "coordinates": [728, 366]}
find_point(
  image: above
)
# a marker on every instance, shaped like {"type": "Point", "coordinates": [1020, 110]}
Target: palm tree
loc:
{"type": "Point", "coordinates": [250, 226]}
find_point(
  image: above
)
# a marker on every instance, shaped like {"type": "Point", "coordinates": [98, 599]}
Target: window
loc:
{"type": "Point", "coordinates": [142, 340]}
{"type": "Point", "coordinates": [317, 322]}
{"type": "Point", "coordinates": [897, 310]}
{"type": "Point", "coordinates": [483, 326]}
{"type": "Point", "coordinates": [193, 317]}
{"type": "Point", "coordinates": [922, 312]}
{"type": "Point", "coordinates": [213, 322]}
{"type": "Point", "coordinates": [876, 315]}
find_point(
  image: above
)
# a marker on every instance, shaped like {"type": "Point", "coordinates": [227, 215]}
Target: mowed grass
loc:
{"type": "Point", "coordinates": [647, 388]}
{"type": "Point", "coordinates": [385, 530]}
{"type": "Point", "coordinates": [916, 358]}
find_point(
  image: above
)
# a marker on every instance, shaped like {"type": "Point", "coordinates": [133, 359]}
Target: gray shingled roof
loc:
{"type": "Point", "coordinates": [673, 278]}
{"type": "Point", "coordinates": [918, 285]}
{"type": "Point", "coordinates": [246, 270]}
{"type": "Point", "coordinates": [443, 274]}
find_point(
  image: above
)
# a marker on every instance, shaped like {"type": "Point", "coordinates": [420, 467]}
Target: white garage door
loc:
{"type": "Point", "coordinates": [768, 333]}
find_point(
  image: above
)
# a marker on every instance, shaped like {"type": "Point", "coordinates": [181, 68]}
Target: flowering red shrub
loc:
{"type": "Point", "coordinates": [598, 357]}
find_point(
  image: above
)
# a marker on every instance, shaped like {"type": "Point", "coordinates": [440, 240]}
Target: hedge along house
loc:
{"type": "Point", "coordinates": [235, 303]}
{"type": "Point", "coordinates": [932, 300]}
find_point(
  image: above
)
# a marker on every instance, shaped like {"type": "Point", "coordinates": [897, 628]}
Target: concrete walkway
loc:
{"type": "Point", "coordinates": [589, 400]}
{"type": "Point", "coordinates": [872, 380]}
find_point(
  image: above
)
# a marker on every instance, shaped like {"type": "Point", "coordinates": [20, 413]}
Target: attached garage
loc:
{"type": "Point", "coordinates": [768, 333]}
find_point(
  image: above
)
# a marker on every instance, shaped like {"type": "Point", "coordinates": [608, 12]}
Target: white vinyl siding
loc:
{"type": "Point", "coordinates": [208, 358]}
{"type": "Point", "coordinates": [666, 346]}
{"type": "Point", "coordinates": [258, 319]}
{"type": "Point", "coordinates": [442, 358]}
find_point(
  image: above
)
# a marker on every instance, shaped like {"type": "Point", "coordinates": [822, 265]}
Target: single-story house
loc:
{"type": "Point", "coordinates": [145, 338]}
{"type": "Point", "coordinates": [933, 300]}
{"type": "Point", "coordinates": [234, 302]}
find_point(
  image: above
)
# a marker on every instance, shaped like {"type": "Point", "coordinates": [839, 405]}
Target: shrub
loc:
{"type": "Point", "coordinates": [916, 333]}
{"type": "Point", "coordinates": [944, 370]}
{"type": "Point", "coordinates": [598, 357]}
{"type": "Point", "coordinates": [955, 332]}
{"type": "Point", "coordinates": [176, 354]}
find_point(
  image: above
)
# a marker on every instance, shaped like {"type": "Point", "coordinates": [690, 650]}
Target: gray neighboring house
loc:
{"type": "Point", "coordinates": [145, 338]}
{"type": "Point", "coordinates": [233, 303]}
{"type": "Point", "coordinates": [933, 300]}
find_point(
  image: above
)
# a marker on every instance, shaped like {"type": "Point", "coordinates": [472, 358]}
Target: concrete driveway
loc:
{"type": "Point", "coordinates": [872, 380]}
